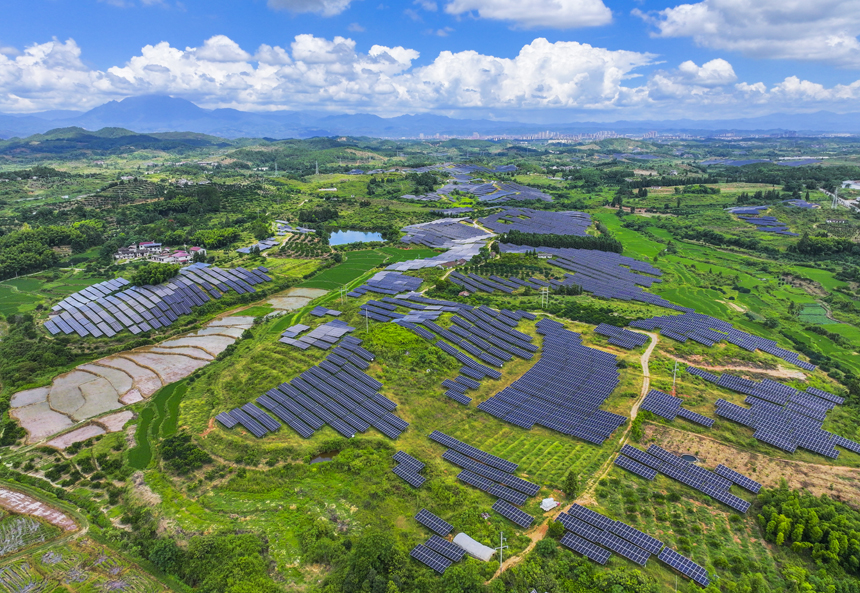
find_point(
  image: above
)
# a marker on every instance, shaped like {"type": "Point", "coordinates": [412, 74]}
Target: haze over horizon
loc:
{"type": "Point", "coordinates": [549, 60]}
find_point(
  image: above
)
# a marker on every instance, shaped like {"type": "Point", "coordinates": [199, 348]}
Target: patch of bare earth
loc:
{"type": "Point", "coordinates": [18, 502]}
{"type": "Point", "coordinates": [779, 372]}
{"type": "Point", "coordinates": [840, 483]}
{"type": "Point", "coordinates": [116, 381]}
{"type": "Point", "coordinates": [809, 286]}
{"type": "Point", "coordinates": [143, 492]}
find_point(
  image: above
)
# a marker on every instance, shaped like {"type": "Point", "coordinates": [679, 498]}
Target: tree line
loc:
{"type": "Point", "coordinates": [601, 243]}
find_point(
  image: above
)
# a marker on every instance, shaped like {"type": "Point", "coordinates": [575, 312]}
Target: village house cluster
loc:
{"type": "Point", "coordinates": [158, 253]}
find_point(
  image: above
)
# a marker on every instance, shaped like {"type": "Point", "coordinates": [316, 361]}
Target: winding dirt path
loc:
{"type": "Point", "coordinates": [539, 532]}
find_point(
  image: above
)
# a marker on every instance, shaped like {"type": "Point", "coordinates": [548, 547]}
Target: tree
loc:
{"type": "Point", "coordinates": [555, 529]}
{"type": "Point", "coordinates": [571, 484]}
{"type": "Point", "coordinates": [154, 273]}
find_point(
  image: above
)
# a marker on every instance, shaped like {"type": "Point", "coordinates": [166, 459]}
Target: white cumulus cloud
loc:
{"type": "Point", "coordinates": [564, 77]}
{"type": "Point", "coordinates": [552, 14]}
{"type": "Point", "coordinates": [821, 31]}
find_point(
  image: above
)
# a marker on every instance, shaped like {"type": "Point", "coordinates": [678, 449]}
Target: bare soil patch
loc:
{"type": "Point", "coordinates": [779, 372]}
{"type": "Point", "coordinates": [22, 504]}
{"type": "Point", "coordinates": [810, 286]}
{"type": "Point", "coordinates": [115, 422]}
{"type": "Point", "coordinates": [76, 436]}
{"type": "Point", "coordinates": [40, 421]}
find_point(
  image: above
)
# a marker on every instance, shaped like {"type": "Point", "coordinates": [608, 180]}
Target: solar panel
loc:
{"type": "Point", "coordinates": [491, 460]}
{"type": "Point", "coordinates": [633, 535]}
{"type": "Point", "coordinates": [433, 523]}
{"type": "Point", "coordinates": [624, 548]}
{"type": "Point", "coordinates": [408, 461]}
{"type": "Point", "coordinates": [586, 548]}
{"type": "Point", "coordinates": [413, 479]}
{"type": "Point", "coordinates": [441, 546]}
{"type": "Point", "coordinates": [685, 566]}
{"type": "Point", "coordinates": [635, 467]}
{"type": "Point", "coordinates": [738, 478]}
{"type": "Point", "coordinates": [430, 558]}
{"type": "Point", "coordinates": [515, 515]}
{"type": "Point", "coordinates": [589, 516]}
{"type": "Point", "coordinates": [226, 419]}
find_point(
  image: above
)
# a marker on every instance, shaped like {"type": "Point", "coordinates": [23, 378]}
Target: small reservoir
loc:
{"type": "Point", "coordinates": [344, 237]}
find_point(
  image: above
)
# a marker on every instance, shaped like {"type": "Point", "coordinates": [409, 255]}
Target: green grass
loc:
{"type": "Point", "coordinates": [357, 263]}
{"type": "Point", "coordinates": [140, 455]}
{"type": "Point", "coordinates": [159, 419]}
{"type": "Point", "coordinates": [814, 313]}
{"type": "Point", "coordinates": [256, 311]}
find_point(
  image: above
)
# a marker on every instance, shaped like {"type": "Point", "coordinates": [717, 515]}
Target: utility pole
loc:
{"type": "Point", "coordinates": [366, 322]}
{"type": "Point", "coordinates": [502, 547]}
{"type": "Point", "coordinates": [834, 203]}
{"type": "Point", "coordinates": [544, 297]}
{"type": "Point", "coordinates": [317, 163]}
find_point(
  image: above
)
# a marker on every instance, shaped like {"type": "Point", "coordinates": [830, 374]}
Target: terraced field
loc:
{"type": "Point", "coordinates": [92, 390]}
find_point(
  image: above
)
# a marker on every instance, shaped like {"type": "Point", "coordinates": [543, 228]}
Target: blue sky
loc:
{"type": "Point", "coordinates": [551, 60]}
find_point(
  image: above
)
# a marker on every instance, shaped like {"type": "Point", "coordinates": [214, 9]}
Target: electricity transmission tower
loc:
{"type": "Point", "coordinates": [544, 297]}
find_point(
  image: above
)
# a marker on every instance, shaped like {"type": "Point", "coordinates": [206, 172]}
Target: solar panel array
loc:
{"type": "Point", "coordinates": [708, 330]}
{"type": "Point", "coordinates": [782, 416]}
{"type": "Point", "coordinates": [432, 559]}
{"type": "Point", "coordinates": [768, 224]}
{"type": "Point", "coordinates": [451, 551]}
{"type": "Point", "coordinates": [323, 337]}
{"type": "Point", "coordinates": [513, 514]}
{"type": "Point", "coordinates": [443, 233]}
{"type": "Point", "coordinates": [457, 253]}
{"type": "Point", "coordinates": [336, 392]}
{"type": "Point", "coordinates": [322, 311]}
{"type": "Point", "coordinates": [563, 391]}
{"type": "Point", "coordinates": [669, 407]}
{"type": "Point", "coordinates": [433, 522]}
{"type": "Point", "coordinates": [602, 273]}
{"type": "Point", "coordinates": [685, 566]}
{"type": "Point", "coordinates": [491, 474]}
{"type": "Point", "coordinates": [473, 452]}
{"type": "Point", "coordinates": [738, 478]}
{"type": "Point", "coordinates": [698, 478]}
{"type": "Point", "coordinates": [494, 344]}
{"type": "Point", "coordinates": [387, 283]}
{"type": "Point", "coordinates": [100, 310]}
{"type": "Point", "coordinates": [621, 337]}
{"type": "Point", "coordinates": [261, 246]}
{"type": "Point", "coordinates": [596, 536]}
{"type": "Point", "coordinates": [407, 468]}
{"type": "Point", "coordinates": [541, 222]}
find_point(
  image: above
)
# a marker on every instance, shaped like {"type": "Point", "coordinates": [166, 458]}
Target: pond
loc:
{"type": "Point", "coordinates": [690, 458]}
{"type": "Point", "coordinates": [324, 457]}
{"type": "Point", "coordinates": [344, 237]}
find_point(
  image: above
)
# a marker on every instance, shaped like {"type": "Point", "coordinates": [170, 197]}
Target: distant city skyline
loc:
{"type": "Point", "coordinates": [595, 60]}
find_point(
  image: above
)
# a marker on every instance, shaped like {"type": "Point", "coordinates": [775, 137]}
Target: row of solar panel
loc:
{"type": "Point", "coordinates": [144, 308]}
{"type": "Point", "coordinates": [708, 330]}
{"type": "Point", "coordinates": [668, 407]}
{"type": "Point", "coordinates": [648, 464]}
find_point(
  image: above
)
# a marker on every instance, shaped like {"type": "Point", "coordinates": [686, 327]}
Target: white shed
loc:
{"type": "Point", "coordinates": [474, 548]}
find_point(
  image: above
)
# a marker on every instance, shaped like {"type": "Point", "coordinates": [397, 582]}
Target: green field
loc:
{"type": "Point", "coordinates": [158, 419]}
{"type": "Point", "coordinates": [357, 263]}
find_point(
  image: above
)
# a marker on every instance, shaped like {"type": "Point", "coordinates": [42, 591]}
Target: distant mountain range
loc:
{"type": "Point", "coordinates": [152, 114]}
